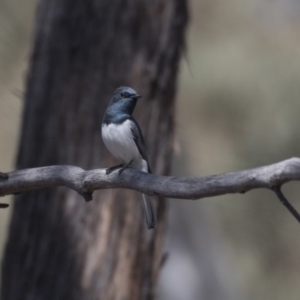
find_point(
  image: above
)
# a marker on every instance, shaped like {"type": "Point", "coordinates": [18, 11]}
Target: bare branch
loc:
{"type": "Point", "coordinates": [3, 176]}
{"type": "Point", "coordinates": [286, 203]}
{"type": "Point", "coordinates": [86, 182]}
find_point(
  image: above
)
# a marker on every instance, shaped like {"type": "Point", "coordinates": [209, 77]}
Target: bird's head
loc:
{"type": "Point", "coordinates": [125, 93]}
{"type": "Point", "coordinates": [124, 99]}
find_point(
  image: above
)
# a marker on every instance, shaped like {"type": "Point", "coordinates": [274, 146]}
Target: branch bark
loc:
{"type": "Point", "coordinates": [86, 182]}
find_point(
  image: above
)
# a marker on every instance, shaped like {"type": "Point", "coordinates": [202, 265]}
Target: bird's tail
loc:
{"type": "Point", "coordinates": [150, 213]}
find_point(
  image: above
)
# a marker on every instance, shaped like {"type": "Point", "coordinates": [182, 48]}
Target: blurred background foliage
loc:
{"type": "Point", "coordinates": [237, 107]}
{"type": "Point", "coordinates": [16, 26]}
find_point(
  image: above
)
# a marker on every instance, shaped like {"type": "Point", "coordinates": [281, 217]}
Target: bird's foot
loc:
{"type": "Point", "coordinates": [111, 169]}
{"type": "Point", "coordinates": [125, 166]}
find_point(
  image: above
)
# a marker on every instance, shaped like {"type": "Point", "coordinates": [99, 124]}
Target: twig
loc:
{"type": "Point", "coordinates": [286, 203]}
{"type": "Point", "coordinates": [3, 176]}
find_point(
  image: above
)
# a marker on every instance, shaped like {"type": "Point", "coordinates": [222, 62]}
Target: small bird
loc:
{"type": "Point", "coordinates": [123, 137]}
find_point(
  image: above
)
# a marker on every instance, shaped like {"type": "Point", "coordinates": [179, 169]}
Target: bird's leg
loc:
{"type": "Point", "coordinates": [111, 169]}
{"type": "Point", "coordinates": [125, 166]}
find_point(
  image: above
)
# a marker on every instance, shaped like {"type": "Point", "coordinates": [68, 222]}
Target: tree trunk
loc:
{"type": "Point", "coordinates": [60, 247]}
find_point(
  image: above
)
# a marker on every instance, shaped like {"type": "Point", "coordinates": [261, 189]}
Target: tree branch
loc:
{"type": "Point", "coordinates": [86, 182]}
{"type": "Point", "coordinates": [286, 203]}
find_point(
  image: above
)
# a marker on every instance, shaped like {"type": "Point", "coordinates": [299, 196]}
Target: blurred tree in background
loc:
{"type": "Point", "coordinates": [60, 247]}
{"type": "Point", "coordinates": [238, 107]}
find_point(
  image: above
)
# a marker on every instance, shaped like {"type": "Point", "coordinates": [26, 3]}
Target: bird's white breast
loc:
{"type": "Point", "coordinates": [119, 141]}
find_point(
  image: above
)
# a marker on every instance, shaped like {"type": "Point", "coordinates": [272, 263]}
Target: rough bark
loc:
{"type": "Point", "coordinates": [60, 247]}
{"type": "Point", "coordinates": [86, 182]}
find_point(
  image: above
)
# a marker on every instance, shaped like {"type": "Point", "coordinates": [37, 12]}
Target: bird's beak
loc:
{"type": "Point", "coordinates": [136, 97]}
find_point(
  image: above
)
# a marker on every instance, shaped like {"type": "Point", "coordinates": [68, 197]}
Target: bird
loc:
{"type": "Point", "coordinates": [123, 138]}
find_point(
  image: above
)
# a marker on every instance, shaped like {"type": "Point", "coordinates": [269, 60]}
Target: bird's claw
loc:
{"type": "Point", "coordinates": [111, 169]}
{"type": "Point", "coordinates": [125, 166]}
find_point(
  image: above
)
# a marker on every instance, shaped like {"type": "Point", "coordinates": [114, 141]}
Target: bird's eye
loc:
{"type": "Point", "coordinates": [125, 95]}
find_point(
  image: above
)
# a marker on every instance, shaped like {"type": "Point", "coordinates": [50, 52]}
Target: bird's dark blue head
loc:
{"type": "Point", "coordinates": [121, 105]}
{"type": "Point", "coordinates": [124, 96]}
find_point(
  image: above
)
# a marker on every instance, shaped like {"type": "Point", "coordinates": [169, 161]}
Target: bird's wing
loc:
{"type": "Point", "coordinates": [139, 141]}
